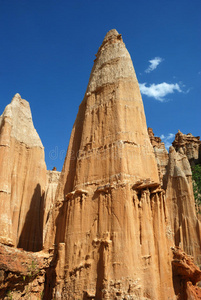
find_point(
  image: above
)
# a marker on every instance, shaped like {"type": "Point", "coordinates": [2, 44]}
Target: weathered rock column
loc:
{"type": "Point", "coordinates": [22, 178]}
{"type": "Point", "coordinates": [181, 204]}
{"type": "Point", "coordinates": [109, 212]}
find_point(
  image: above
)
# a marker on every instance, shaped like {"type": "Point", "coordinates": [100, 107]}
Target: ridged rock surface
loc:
{"type": "Point", "coordinates": [111, 223]}
{"type": "Point", "coordinates": [181, 204]}
{"type": "Point", "coordinates": [107, 227]}
{"type": "Point", "coordinates": [52, 180]}
{"type": "Point", "coordinates": [22, 178]}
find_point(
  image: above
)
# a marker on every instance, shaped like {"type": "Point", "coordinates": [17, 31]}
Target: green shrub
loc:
{"type": "Point", "coordinates": [196, 172]}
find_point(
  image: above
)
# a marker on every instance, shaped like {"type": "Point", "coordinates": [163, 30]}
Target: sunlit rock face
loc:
{"type": "Point", "coordinates": [181, 204]}
{"type": "Point", "coordinates": [52, 180]}
{"type": "Point", "coordinates": [112, 237]}
{"type": "Point", "coordinates": [22, 178]}
{"type": "Point", "coordinates": [176, 178]}
{"type": "Point", "coordinates": [107, 228]}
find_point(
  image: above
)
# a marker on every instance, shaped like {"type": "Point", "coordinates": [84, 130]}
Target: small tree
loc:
{"type": "Point", "coordinates": [196, 174]}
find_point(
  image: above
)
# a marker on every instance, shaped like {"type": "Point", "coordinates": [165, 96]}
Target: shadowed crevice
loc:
{"type": "Point", "coordinates": [31, 237]}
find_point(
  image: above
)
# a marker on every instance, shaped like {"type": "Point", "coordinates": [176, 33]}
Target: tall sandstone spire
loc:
{"type": "Point", "coordinates": [111, 222]}
{"type": "Point", "coordinates": [110, 133]}
{"type": "Point", "coordinates": [181, 204]}
{"type": "Point", "coordinates": [176, 178]}
{"type": "Point", "coordinates": [22, 178]}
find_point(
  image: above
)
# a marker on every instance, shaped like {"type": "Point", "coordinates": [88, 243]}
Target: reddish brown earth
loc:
{"type": "Point", "coordinates": [185, 275]}
{"type": "Point", "coordinates": [22, 273]}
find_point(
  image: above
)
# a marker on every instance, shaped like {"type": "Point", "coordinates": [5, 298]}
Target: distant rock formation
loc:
{"type": "Point", "coordinates": [161, 154]}
{"type": "Point", "coordinates": [190, 145]}
{"type": "Point", "coordinates": [22, 178]}
{"type": "Point", "coordinates": [176, 178]}
{"type": "Point", "coordinates": [181, 204]}
{"type": "Point", "coordinates": [155, 140]}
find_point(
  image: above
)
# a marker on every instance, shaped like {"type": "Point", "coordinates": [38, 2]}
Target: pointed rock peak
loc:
{"type": "Point", "coordinates": [17, 95]}
{"type": "Point", "coordinates": [112, 122]}
{"type": "Point", "coordinates": [111, 37]}
{"type": "Point", "coordinates": [112, 34]}
{"type": "Point", "coordinates": [112, 64]}
{"type": "Point", "coordinates": [16, 98]}
{"type": "Point", "coordinates": [22, 105]}
{"type": "Point", "coordinates": [18, 114]}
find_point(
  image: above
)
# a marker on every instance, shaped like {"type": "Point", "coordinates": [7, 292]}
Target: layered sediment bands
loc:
{"type": "Point", "coordinates": [181, 204]}
{"type": "Point", "coordinates": [110, 214]}
{"type": "Point", "coordinates": [109, 140]}
{"type": "Point", "coordinates": [22, 178]}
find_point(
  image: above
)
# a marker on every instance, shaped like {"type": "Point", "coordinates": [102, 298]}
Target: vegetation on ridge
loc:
{"type": "Point", "coordinates": [196, 174]}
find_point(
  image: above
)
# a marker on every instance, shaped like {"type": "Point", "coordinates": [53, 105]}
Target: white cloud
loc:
{"type": "Point", "coordinates": [159, 91]}
{"type": "Point", "coordinates": [167, 145]}
{"type": "Point", "coordinates": [167, 139]}
{"type": "Point", "coordinates": [171, 136]}
{"type": "Point", "coordinates": [153, 64]}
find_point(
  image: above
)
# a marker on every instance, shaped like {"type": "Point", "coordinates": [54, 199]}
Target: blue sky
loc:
{"type": "Point", "coordinates": [47, 50]}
